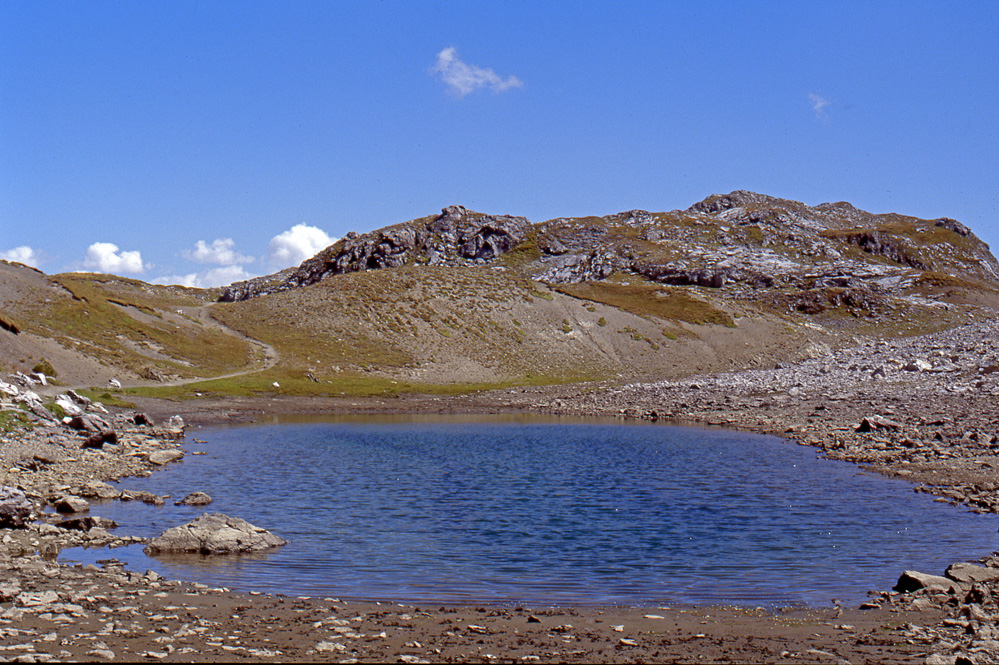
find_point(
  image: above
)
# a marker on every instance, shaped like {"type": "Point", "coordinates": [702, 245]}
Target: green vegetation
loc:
{"type": "Point", "coordinates": [104, 397]}
{"type": "Point", "coordinates": [14, 421]}
{"type": "Point", "coordinates": [126, 323]}
{"type": "Point", "coordinates": [44, 367]}
{"type": "Point", "coordinates": [650, 300]}
{"type": "Point", "coordinates": [56, 410]}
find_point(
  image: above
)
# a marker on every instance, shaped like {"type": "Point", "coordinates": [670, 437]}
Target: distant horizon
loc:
{"type": "Point", "coordinates": [204, 141]}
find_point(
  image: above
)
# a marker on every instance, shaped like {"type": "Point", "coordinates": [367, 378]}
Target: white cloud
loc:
{"type": "Point", "coordinates": [106, 257]}
{"type": "Point", "coordinates": [463, 78]}
{"type": "Point", "coordinates": [220, 253]}
{"type": "Point", "coordinates": [207, 278]}
{"type": "Point", "coordinates": [298, 243]}
{"type": "Point", "coordinates": [819, 103]}
{"type": "Point", "coordinates": [24, 254]}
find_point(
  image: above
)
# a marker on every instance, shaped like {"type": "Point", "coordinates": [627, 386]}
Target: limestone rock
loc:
{"type": "Point", "coordinates": [71, 504]}
{"type": "Point", "coordinates": [161, 457]}
{"type": "Point", "coordinates": [87, 523]}
{"type": "Point", "coordinates": [912, 580]}
{"type": "Point", "coordinates": [96, 489]}
{"type": "Point", "coordinates": [15, 509]}
{"type": "Point", "coordinates": [143, 496]}
{"type": "Point", "coordinates": [969, 573]}
{"type": "Point", "coordinates": [195, 499]}
{"type": "Point", "coordinates": [214, 533]}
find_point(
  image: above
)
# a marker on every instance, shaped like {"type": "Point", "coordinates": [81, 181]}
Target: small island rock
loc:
{"type": "Point", "coordinates": [214, 533]}
{"type": "Point", "coordinates": [195, 499]}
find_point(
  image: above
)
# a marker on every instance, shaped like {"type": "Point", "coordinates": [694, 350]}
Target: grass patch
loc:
{"type": "Point", "coordinates": [104, 397]}
{"type": "Point", "coordinates": [650, 300]}
{"type": "Point", "coordinates": [44, 367]}
{"type": "Point", "coordinates": [14, 421]}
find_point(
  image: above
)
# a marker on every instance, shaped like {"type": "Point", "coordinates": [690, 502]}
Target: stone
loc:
{"type": "Point", "coordinates": [175, 422]}
{"type": "Point", "coordinates": [143, 496]}
{"type": "Point", "coordinates": [214, 533]}
{"type": "Point", "coordinates": [9, 389]}
{"type": "Point", "coordinates": [99, 439]}
{"type": "Point", "coordinates": [917, 365]}
{"type": "Point", "coordinates": [87, 523]}
{"type": "Point", "coordinates": [195, 499]}
{"type": "Point", "coordinates": [114, 384]}
{"type": "Point", "coordinates": [142, 419]}
{"type": "Point", "coordinates": [78, 398]}
{"type": "Point", "coordinates": [9, 591]}
{"type": "Point", "coordinates": [27, 599]}
{"type": "Point", "coordinates": [15, 509]}
{"type": "Point", "coordinates": [969, 573]}
{"type": "Point", "coordinates": [66, 404]}
{"type": "Point", "coordinates": [87, 424]}
{"type": "Point", "coordinates": [71, 504]}
{"type": "Point", "coordinates": [871, 423]}
{"type": "Point", "coordinates": [161, 457]}
{"type": "Point", "coordinates": [96, 489]}
{"type": "Point", "coordinates": [912, 580]}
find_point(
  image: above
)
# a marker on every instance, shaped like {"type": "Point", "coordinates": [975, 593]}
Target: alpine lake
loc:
{"type": "Point", "coordinates": [529, 510]}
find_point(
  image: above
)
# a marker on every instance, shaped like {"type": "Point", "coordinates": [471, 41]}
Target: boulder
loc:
{"type": "Point", "coordinates": [970, 573]}
{"type": "Point", "coordinates": [114, 384]}
{"type": "Point", "coordinates": [95, 489]}
{"type": "Point", "coordinates": [87, 424]}
{"type": "Point", "coordinates": [9, 389]}
{"type": "Point", "coordinates": [912, 580]}
{"type": "Point", "coordinates": [142, 419]}
{"type": "Point", "coordinates": [161, 457]}
{"type": "Point", "coordinates": [195, 499]}
{"type": "Point", "coordinates": [78, 398]}
{"type": "Point", "coordinates": [87, 523]}
{"type": "Point", "coordinates": [143, 496]}
{"type": "Point", "coordinates": [15, 509]}
{"type": "Point", "coordinates": [871, 423]}
{"type": "Point", "coordinates": [66, 404]}
{"type": "Point", "coordinates": [214, 533]}
{"type": "Point", "coordinates": [71, 504]}
{"type": "Point", "coordinates": [100, 438]}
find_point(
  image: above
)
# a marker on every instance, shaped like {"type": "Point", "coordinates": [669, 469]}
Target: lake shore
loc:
{"type": "Point", "coordinates": [933, 423]}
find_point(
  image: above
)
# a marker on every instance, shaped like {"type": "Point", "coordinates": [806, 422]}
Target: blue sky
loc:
{"type": "Point", "coordinates": [200, 141]}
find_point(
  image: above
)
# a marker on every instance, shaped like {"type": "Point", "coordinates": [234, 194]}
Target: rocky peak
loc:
{"type": "Point", "coordinates": [457, 236]}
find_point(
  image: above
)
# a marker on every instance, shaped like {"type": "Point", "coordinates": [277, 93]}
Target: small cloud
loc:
{"type": "Point", "coordinates": [24, 254]}
{"type": "Point", "coordinates": [298, 243]}
{"type": "Point", "coordinates": [463, 78]}
{"type": "Point", "coordinates": [207, 278]}
{"type": "Point", "coordinates": [220, 253]}
{"type": "Point", "coordinates": [107, 258]}
{"type": "Point", "coordinates": [819, 104]}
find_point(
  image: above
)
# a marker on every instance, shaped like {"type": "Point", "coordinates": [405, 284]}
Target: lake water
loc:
{"type": "Point", "coordinates": [552, 513]}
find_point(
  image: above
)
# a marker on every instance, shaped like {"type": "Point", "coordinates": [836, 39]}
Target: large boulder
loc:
{"type": "Point", "coordinates": [15, 509]}
{"type": "Point", "coordinates": [214, 533]}
{"type": "Point", "coordinates": [913, 580]}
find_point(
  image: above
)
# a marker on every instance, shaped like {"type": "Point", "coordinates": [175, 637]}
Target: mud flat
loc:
{"type": "Point", "coordinates": [923, 409]}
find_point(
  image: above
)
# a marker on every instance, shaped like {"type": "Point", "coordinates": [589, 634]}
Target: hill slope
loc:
{"type": "Point", "coordinates": [465, 300]}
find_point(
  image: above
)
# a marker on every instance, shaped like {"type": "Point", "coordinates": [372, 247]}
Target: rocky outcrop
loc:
{"type": "Point", "coordinates": [455, 237]}
{"type": "Point", "coordinates": [214, 533]}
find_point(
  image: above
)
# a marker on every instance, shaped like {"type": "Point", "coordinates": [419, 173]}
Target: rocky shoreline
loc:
{"type": "Point", "coordinates": [920, 408]}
